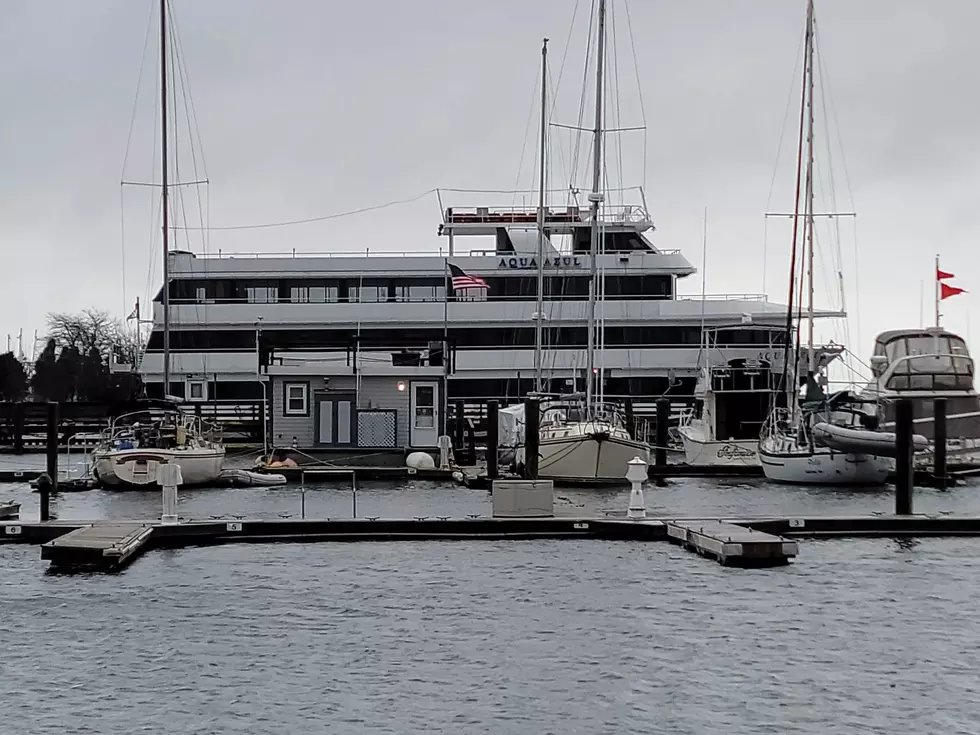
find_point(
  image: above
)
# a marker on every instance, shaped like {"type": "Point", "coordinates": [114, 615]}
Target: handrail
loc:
{"type": "Point", "coordinates": [440, 252]}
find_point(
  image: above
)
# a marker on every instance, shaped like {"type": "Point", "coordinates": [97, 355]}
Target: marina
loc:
{"type": "Point", "coordinates": [487, 372]}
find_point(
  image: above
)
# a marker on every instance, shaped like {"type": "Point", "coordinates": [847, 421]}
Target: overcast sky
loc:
{"type": "Point", "coordinates": [307, 108]}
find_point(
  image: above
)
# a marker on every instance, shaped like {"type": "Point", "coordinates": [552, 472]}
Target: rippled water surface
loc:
{"type": "Point", "coordinates": [572, 636]}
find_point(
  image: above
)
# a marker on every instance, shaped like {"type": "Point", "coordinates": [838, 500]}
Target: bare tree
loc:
{"type": "Point", "coordinates": [93, 329]}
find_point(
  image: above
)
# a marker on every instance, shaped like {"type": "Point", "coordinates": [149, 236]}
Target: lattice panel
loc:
{"type": "Point", "coordinates": [377, 429]}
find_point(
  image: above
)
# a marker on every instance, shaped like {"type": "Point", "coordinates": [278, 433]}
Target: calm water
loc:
{"type": "Point", "coordinates": [499, 637]}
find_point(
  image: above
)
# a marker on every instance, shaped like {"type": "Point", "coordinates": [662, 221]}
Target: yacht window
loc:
{"type": "Point", "coordinates": [367, 294]}
{"type": "Point", "coordinates": [296, 399]}
{"type": "Point", "coordinates": [262, 294]}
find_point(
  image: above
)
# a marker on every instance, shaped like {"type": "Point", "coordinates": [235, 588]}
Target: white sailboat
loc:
{"type": "Point", "coordinates": [136, 445]}
{"type": "Point", "coordinates": [817, 439]}
{"type": "Point", "coordinates": [581, 439]}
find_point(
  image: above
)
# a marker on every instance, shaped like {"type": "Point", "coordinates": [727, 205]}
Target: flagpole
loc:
{"type": "Point", "coordinates": [937, 290]}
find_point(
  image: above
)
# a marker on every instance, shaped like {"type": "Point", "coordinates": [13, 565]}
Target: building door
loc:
{"type": "Point", "coordinates": [424, 414]}
{"type": "Point", "coordinates": [335, 417]}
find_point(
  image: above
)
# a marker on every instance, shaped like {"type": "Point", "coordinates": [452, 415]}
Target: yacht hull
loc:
{"type": "Point", "coordinates": [137, 468]}
{"type": "Point", "coordinates": [700, 452]}
{"type": "Point", "coordinates": [588, 458]}
{"type": "Point", "coordinates": [824, 467]}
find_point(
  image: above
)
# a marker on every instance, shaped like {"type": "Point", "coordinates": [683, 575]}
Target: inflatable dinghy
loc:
{"type": "Point", "coordinates": [247, 478]}
{"type": "Point", "coordinates": [861, 441]}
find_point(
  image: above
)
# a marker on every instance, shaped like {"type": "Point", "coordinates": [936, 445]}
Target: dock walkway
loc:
{"type": "Point", "coordinates": [102, 546]}
{"type": "Point", "coordinates": [731, 544]}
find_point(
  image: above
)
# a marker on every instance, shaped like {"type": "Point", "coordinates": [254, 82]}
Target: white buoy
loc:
{"type": "Point", "coordinates": [420, 461]}
{"type": "Point", "coordinates": [169, 477]}
{"type": "Point", "coordinates": [636, 473]}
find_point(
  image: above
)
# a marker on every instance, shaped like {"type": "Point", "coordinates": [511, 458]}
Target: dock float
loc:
{"type": "Point", "coordinates": [732, 545]}
{"type": "Point", "coordinates": [99, 547]}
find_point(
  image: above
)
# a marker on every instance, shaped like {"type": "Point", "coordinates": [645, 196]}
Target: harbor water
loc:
{"type": "Point", "coordinates": [575, 636]}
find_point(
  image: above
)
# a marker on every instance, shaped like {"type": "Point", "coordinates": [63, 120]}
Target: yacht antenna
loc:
{"type": "Point", "coordinates": [595, 198]}
{"type": "Point", "coordinates": [539, 314]}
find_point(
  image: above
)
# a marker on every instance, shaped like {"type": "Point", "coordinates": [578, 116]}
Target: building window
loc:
{"type": "Point", "coordinates": [197, 390]}
{"type": "Point", "coordinates": [296, 399]}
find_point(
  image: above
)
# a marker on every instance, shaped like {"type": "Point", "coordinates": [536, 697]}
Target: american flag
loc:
{"type": "Point", "coordinates": [461, 279]}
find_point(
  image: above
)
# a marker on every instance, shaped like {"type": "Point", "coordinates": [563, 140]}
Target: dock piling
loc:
{"type": "Point", "coordinates": [904, 474]}
{"type": "Point", "coordinates": [532, 437]}
{"type": "Point", "coordinates": [493, 440]}
{"type": "Point", "coordinates": [660, 450]}
{"type": "Point", "coordinates": [939, 437]}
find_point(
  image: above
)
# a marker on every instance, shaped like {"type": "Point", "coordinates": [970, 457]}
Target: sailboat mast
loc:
{"type": "Point", "coordinates": [596, 199]}
{"type": "Point", "coordinates": [166, 197]}
{"type": "Point", "coordinates": [811, 355]}
{"type": "Point", "coordinates": [539, 315]}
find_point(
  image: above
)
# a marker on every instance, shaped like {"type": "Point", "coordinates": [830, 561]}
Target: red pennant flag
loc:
{"type": "Point", "coordinates": [947, 291]}
{"type": "Point", "coordinates": [943, 275]}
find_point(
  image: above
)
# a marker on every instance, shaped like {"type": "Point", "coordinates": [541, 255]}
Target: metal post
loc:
{"type": "Point", "coordinates": [493, 440]}
{"type": "Point", "coordinates": [302, 502]}
{"type": "Point", "coordinates": [51, 484]}
{"type": "Point", "coordinates": [660, 449]}
{"type": "Point", "coordinates": [353, 493]}
{"type": "Point", "coordinates": [532, 427]}
{"type": "Point", "coordinates": [904, 477]}
{"type": "Point", "coordinates": [459, 410]}
{"type": "Point", "coordinates": [939, 442]}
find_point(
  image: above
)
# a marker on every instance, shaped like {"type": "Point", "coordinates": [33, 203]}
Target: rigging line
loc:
{"type": "Point", "coordinates": [188, 100]}
{"type": "Point", "coordinates": [613, 93]}
{"type": "Point", "coordinates": [527, 128]}
{"type": "Point", "coordinates": [325, 217]}
{"type": "Point", "coordinates": [850, 194]}
{"type": "Point", "coordinates": [577, 146]}
{"type": "Point", "coordinates": [522, 191]}
{"type": "Point", "coordinates": [564, 57]}
{"type": "Point", "coordinates": [779, 150]}
{"type": "Point", "coordinates": [639, 87]}
{"type": "Point", "coordinates": [139, 85]}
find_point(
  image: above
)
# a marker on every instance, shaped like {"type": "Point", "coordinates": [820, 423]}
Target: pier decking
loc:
{"type": "Point", "coordinates": [102, 546]}
{"type": "Point", "coordinates": [730, 544]}
{"type": "Point", "coordinates": [110, 545]}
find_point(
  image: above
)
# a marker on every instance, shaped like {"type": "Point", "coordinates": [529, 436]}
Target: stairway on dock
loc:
{"type": "Point", "coordinates": [99, 547]}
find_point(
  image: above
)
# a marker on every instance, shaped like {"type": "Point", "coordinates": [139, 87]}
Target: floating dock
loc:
{"type": "Point", "coordinates": [99, 547]}
{"type": "Point", "coordinates": [110, 545]}
{"type": "Point", "coordinates": [732, 545]}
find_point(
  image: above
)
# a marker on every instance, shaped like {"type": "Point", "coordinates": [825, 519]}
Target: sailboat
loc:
{"type": "Point", "coordinates": [580, 439]}
{"type": "Point", "coordinates": [818, 439]}
{"type": "Point", "coordinates": [136, 445]}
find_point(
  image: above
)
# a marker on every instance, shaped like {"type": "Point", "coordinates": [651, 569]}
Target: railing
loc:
{"type": "Point", "coordinates": [574, 215]}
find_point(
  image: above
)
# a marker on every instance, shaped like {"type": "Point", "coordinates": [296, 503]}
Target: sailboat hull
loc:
{"type": "Point", "coordinates": [824, 467]}
{"type": "Point", "coordinates": [588, 458]}
{"type": "Point", "coordinates": [137, 468]}
{"type": "Point", "coordinates": [734, 453]}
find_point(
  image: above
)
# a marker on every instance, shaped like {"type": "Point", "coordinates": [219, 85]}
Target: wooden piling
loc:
{"type": "Point", "coordinates": [939, 443]}
{"type": "Point", "coordinates": [532, 437]}
{"type": "Point", "coordinates": [493, 440]}
{"type": "Point", "coordinates": [904, 476]}
{"type": "Point", "coordinates": [51, 486]}
{"type": "Point", "coordinates": [18, 427]}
